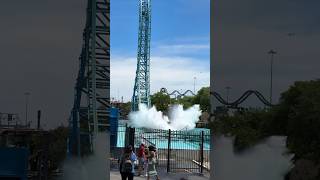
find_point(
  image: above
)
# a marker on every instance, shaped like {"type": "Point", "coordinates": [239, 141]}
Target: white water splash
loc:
{"type": "Point", "coordinates": [178, 118]}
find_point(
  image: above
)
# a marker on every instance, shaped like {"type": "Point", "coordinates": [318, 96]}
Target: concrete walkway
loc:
{"type": "Point", "coordinates": [115, 175]}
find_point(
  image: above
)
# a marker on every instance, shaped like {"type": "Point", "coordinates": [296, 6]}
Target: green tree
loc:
{"type": "Point", "coordinates": [161, 101]}
{"type": "Point", "coordinates": [203, 99]}
{"type": "Point", "coordinates": [58, 146]}
{"type": "Point", "coordinates": [186, 101]}
{"type": "Point", "coordinates": [125, 109]}
{"type": "Point", "coordinates": [299, 116]}
{"type": "Point", "coordinates": [248, 127]}
{"type": "Point", "coordinates": [56, 140]}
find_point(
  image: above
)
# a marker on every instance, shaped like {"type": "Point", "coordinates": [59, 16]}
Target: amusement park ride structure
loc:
{"type": "Point", "coordinates": [90, 112]}
{"type": "Point", "coordinates": [91, 107]}
{"type": "Point", "coordinates": [141, 91]}
{"type": "Point", "coordinates": [220, 99]}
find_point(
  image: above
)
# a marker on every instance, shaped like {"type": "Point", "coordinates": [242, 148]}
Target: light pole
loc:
{"type": "Point", "coordinates": [272, 53]}
{"type": "Point", "coordinates": [228, 89]}
{"type": "Point", "coordinates": [27, 99]}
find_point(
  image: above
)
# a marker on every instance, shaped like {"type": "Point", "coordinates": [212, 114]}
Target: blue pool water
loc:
{"type": "Point", "coordinates": [190, 140]}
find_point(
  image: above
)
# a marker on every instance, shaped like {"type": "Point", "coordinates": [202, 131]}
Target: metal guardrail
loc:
{"type": "Point", "coordinates": [187, 151]}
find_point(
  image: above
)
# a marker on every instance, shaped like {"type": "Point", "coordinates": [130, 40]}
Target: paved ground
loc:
{"type": "Point", "coordinates": [115, 175]}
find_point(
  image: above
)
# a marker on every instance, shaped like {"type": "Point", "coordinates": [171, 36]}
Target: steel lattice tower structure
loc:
{"type": "Point", "coordinates": [90, 114]}
{"type": "Point", "coordinates": [141, 92]}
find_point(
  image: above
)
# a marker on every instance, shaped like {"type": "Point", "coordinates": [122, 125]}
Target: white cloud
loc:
{"type": "Point", "coordinates": [182, 48]}
{"type": "Point", "coordinates": [173, 73]}
{"type": "Point", "coordinates": [204, 39]}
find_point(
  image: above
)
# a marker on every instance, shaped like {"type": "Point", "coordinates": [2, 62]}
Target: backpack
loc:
{"type": "Point", "coordinates": [127, 164]}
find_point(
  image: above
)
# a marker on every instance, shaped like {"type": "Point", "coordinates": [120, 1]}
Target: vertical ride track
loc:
{"type": "Point", "coordinates": [90, 112]}
{"type": "Point", "coordinates": [141, 91]}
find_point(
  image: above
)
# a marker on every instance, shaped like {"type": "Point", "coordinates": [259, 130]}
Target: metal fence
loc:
{"type": "Point", "coordinates": [186, 151]}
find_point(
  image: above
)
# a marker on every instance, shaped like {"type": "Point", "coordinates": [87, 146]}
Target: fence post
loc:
{"type": "Point", "coordinates": [129, 136]}
{"type": "Point", "coordinates": [168, 156]}
{"type": "Point", "coordinates": [201, 157]}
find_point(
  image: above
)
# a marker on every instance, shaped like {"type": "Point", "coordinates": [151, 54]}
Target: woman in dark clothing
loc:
{"type": "Point", "coordinates": [127, 163]}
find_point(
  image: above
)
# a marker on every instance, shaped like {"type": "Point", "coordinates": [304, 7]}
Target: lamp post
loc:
{"type": "Point", "coordinates": [272, 53]}
{"type": "Point", "coordinates": [27, 103]}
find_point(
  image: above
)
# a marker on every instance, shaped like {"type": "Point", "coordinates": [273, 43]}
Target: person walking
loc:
{"type": "Point", "coordinates": [145, 167]}
{"type": "Point", "coordinates": [127, 163]}
{"type": "Point", "coordinates": [141, 159]}
{"type": "Point", "coordinates": [152, 161]}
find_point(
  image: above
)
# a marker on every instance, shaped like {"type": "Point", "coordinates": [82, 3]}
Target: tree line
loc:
{"type": "Point", "coordinates": [297, 116]}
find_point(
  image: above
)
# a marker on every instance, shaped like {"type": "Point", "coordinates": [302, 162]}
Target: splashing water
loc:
{"type": "Point", "coordinates": [91, 167]}
{"type": "Point", "coordinates": [178, 119]}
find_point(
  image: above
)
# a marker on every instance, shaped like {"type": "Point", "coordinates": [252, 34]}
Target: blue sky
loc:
{"type": "Point", "coordinates": [179, 45]}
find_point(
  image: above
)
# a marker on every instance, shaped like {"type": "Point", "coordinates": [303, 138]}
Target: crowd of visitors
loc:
{"type": "Point", "coordinates": [145, 159]}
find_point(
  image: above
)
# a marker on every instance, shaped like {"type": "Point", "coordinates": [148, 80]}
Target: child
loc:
{"type": "Point", "coordinates": [152, 172]}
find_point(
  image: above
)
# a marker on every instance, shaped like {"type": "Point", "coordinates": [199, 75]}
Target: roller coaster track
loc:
{"type": "Point", "coordinates": [164, 90]}
{"type": "Point", "coordinates": [235, 103]}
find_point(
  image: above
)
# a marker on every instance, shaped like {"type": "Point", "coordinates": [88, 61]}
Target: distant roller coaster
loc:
{"type": "Point", "coordinates": [235, 103]}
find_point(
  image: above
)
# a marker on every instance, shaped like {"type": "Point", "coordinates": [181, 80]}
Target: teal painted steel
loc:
{"type": "Point", "coordinates": [114, 122]}
{"type": "Point", "coordinates": [141, 92]}
{"type": "Point", "coordinates": [92, 91]}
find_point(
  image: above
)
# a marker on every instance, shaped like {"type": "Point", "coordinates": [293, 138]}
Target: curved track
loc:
{"type": "Point", "coordinates": [235, 103]}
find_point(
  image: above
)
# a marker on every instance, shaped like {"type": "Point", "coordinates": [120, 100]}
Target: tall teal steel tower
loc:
{"type": "Point", "coordinates": [90, 112]}
{"type": "Point", "coordinates": [141, 92]}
